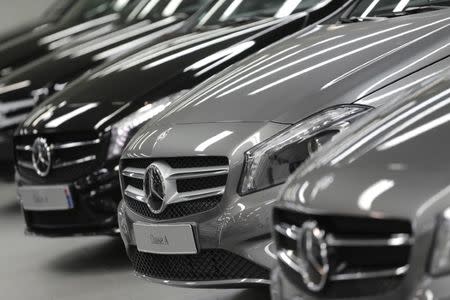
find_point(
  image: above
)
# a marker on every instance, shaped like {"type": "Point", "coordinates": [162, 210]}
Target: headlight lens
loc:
{"type": "Point", "coordinates": [122, 131]}
{"type": "Point", "coordinates": [272, 161]}
{"type": "Point", "coordinates": [440, 260]}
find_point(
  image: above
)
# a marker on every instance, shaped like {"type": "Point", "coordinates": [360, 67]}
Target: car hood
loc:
{"type": "Point", "coordinates": [102, 90]}
{"type": "Point", "coordinates": [316, 68]}
{"type": "Point", "coordinates": [391, 164]}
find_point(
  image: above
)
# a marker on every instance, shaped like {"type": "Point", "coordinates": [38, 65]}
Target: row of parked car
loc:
{"type": "Point", "coordinates": [297, 143]}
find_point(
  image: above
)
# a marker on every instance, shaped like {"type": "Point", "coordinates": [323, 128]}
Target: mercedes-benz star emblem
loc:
{"type": "Point", "coordinates": [312, 256]}
{"type": "Point", "coordinates": [154, 188]}
{"type": "Point", "coordinates": [41, 157]}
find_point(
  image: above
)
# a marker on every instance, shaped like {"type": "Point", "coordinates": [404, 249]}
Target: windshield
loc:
{"type": "Point", "coordinates": [157, 9]}
{"type": "Point", "coordinates": [392, 8]}
{"type": "Point", "coordinates": [85, 10]}
{"type": "Point", "coordinates": [230, 11]}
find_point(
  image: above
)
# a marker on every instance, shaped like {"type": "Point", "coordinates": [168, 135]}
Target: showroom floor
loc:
{"type": "Point", "coordinates": [78, 268]}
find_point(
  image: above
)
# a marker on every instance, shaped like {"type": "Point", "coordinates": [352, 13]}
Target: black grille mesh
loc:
{"type": "Point", "coordinates": [195, 184]}
{"type": "Point", "coordinates": [176, 210]}
{"type": "Point", "coordinates": [208, 265]}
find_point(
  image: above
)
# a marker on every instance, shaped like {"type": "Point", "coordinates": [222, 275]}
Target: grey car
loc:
{"type": "Point", "coordinates": [200, 181]}
{"type": "Point", "coordinates": [368, 216]}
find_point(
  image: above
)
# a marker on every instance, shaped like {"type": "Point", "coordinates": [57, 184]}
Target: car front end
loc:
{"type": "Point", "coordinates": [368, 216]}
{"type": "Point", "coordinates": [234, 118]}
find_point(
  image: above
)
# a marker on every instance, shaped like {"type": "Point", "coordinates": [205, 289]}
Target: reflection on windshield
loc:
{"type": "Point", "coordinates": [392, 8]}
{"type": "Point", "coordinates": [232, 11]}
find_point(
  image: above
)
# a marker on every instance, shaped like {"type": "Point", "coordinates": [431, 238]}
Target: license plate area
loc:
{"type": "Point", "coordinates": [165, 238]}
{"type": "Point", "coordinates": [46, 198]}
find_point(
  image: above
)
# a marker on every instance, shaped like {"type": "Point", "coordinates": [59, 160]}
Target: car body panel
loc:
{"type": "Point", "coordinates": [205, 123]}
{"type": "Point", "coordinates": [297, 64]}
{"type": "Point", "coordinates": [389, 165]}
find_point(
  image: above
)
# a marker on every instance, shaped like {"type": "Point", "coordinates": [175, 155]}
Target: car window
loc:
{"type": "Point", "coordinates": [379, 8]}
{"type": "Point", "coordinates": [155, 9]}
{"type": "Point", "coordinates": [230, 11]}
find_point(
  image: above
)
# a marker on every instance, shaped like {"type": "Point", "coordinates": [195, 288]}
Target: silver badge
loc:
{"type": "Point", "coordinates": [156, 186]}
{"type": "Point", "coordinates": [41, 157]}
{"type": "Point", "coordinates": [312, 256]}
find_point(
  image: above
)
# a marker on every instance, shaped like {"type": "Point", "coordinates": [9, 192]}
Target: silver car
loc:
{"type": "Point", "coordinates": [200, 181]}
{"type": "Point", "coordinates": [368, 216]}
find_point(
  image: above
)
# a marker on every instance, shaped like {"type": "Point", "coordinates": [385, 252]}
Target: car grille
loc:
{"type": "Point", "coordinates": [14, 112]}
{"type": "Point", "coordinates": [366, 256]}
{"type": "Point", "coordinates": [208, 265]}
{"type": "Point", "coordinates": [73, 156]}
{"type": "Point", "coordinates": [201, 180]}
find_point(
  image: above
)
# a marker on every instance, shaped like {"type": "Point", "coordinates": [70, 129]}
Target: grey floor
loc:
{"type": "Point", "coordinates": [78, 268]}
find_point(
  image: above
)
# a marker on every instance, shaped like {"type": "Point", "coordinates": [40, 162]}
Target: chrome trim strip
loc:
{"type": "Point", "coordinates": [74, 162]}
{"type": "Point", "coordinates": [74, 144]}
{"type": "Point", "coordinates": [199, 194]}
{"type": "Point", "coordinates": [23, 147]}
{"type": "Point", "coordinates": [393, 241]}
{"type": "Point", "coordinates": [135, 193]}
{"type": "Point", "coordinates": [188, 173]}
{"type": "Point", "coordinates": [59, 146]}
{"type": "Point", "coordinates": [134, 173]}
{"type": "Point", "coordinates": [25, 164]}
{"type": "Point", "coordinates": [238, 283]}
{"type": "Point", "coordinates": [370, 275]}
{"type": "Point", "coordinates": [287, 230]}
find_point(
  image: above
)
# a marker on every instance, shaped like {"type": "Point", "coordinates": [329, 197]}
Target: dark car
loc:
{"type": "Point", "coordinates": [368, 217]}
{"type": "Point", "coordinates": [200, 181]}
{"type": "Point", "coordinates": [31, 84]}
{"type": "Point", "coordinates": [83, 16]}
{"type": "Point", "coordinates": [85, 127]}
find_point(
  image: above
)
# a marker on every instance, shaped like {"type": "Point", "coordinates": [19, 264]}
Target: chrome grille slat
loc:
{"type": "Point", "coordinates": [199, 172]}
{"type": "Point", "coordinates": [134, 173]}
{"type": "Point", "coordinates": [370, 275]}
{"type": "Point", "coordinates": [199, 194]}
{"type": "Point", "coordinates": [333, 241]}
{"type": "Point", "coordinates": [59, 146]}
{"type": "Point", "coordinates": [288, 258]}
{"type": "Point", "coordinates": [74, 162]}
{"type": "Point", "coordinates": [135, 193]}
{"type": "Point", "coordinates": [25, 164]}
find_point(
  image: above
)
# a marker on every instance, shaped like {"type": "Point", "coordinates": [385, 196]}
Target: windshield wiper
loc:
{"type": "Point", "coordinates": [359, 19]}
{"type": "Point", "coordinates": [408, 11]}
{"type": "Point", "coordinates": [412, 10]}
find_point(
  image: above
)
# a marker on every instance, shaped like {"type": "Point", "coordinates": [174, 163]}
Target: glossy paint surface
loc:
{"type": "Point", "coordinates": [183, 61]}
{"type": "Point", "coordinates": [390, 165]}
{"type": "Point", "coordinates": [325, 65]}
{"type": "Point", "coordinates": [81, 17]}
{"type": "Point", "coordinates": [222, 118]}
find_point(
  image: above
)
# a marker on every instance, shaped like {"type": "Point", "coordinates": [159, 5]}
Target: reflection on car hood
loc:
{"type": "Point", "coordinates": [314, 69]}
{"type": "Point", "coordinates": [124, 84]}
{"type": "Point", "coordinates": [391, 164]}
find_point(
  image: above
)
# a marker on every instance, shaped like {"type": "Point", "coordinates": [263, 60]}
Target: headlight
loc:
{"type": "Point", "coordinates": [272, 161]}
{"type": "Point", "coordinates": [122, 131]}
{"type": "Point", "coordinates": [440, 259]}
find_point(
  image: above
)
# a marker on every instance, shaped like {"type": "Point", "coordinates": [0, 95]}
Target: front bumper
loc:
{"type": "Point", "coordinates": [235, 237]}
{"type": "Point", "coordinates": [94, 212]}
